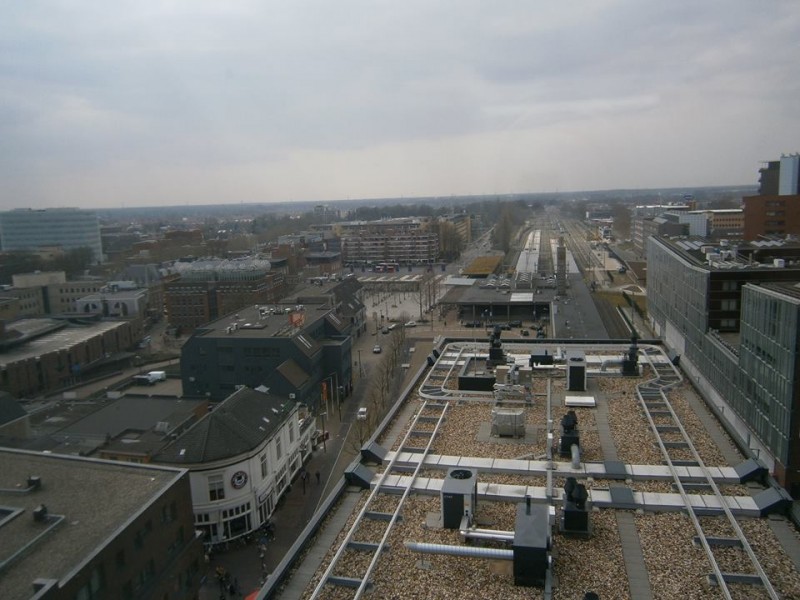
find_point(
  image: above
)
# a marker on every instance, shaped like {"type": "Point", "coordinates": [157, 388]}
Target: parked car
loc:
{"type": "Point", "coordinates": [385, 330]}
{"type": "Point", "coordinates": [411, 324]}
{"type": "Point", "coordinates": [515, 323]}
{"type": "Point", "coordinates": [361, 415]}
{"type": "Point", "coordinates": [525, 333]}
{"type": "Point", "coordinates": [376, 349]}
{"type": "Point", "coordinates": [150, 378]}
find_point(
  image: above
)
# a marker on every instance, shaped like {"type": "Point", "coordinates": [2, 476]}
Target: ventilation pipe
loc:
{"type": "Point", "coordinates": [469, 551]}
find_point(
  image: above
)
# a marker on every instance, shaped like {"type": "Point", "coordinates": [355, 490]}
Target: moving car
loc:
{"type": "Point", "coordinates": [376, 349]}
{"type": "Point", "coordinates": [361, 415]}
{"type": "Point", "coordinates": [411, 324]}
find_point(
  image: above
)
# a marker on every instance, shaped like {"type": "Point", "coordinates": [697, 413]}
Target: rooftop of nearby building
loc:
{"type": "Point", "coordinates": [47, 335]}
{"type": "Point", "coordinates": [10, 409]}
{"type": "Point", "coordinates": [236, 426]}
{"type": "Point", "coordinates": [131, 417]}
{"type": "Point", "coordinates": [787, 288]}
{"type": "Point", "coordinates": [614, 434]}
{"type": "Point", "coordinates": [86, 499]}
{"type": "Point", "coordinates": [759, 255]}
{"type": "Point", "coordinates": [262, 321]}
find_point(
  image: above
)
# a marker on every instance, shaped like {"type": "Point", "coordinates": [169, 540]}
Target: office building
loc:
{"type": "Point", "coordinates": [731, 315]}
{"type": "Point", "coordinates": [290, 349]}
{"type": "Point", "coordinates": [69, 228]}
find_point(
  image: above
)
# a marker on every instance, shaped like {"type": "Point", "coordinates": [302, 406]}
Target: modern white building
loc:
{"type": "Point", "coordinates": [69, 228]}
{"type": "Point", "coordinates": [241, 459]}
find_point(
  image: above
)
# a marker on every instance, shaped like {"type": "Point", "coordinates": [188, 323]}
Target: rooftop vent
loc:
{"type": "Point", "coordinates": [40, 513]}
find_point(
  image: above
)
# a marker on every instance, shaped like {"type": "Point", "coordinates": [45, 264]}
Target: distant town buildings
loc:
{"type": "Point", "coordinates": [776, 208]}
{"type": "Point", "coordinates": [209, 289]}
{"type": "Point", "coordinates": [69, 228]}
{"type": "Point", "coordinates": [402, 240]}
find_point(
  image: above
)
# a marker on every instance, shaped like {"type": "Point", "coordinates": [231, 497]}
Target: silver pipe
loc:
{"type": "Point", "coordinates": [488, 534]}
{"type": "Point", "coordinates": [470, 551]}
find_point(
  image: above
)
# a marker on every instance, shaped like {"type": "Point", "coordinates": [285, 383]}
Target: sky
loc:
{"type": "Point", "coordinates": [170, 102]}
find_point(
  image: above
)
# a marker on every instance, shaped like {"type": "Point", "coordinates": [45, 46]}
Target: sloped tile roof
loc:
{"type": "Point", "coordinates": [238, 425]}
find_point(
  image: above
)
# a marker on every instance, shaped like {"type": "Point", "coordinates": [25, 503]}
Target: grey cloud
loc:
{"type": "Point", "coordinates": [209, 85]}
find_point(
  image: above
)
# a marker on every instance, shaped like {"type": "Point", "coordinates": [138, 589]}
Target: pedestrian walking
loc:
{"type": "Point", "coordinates": [318, 477]}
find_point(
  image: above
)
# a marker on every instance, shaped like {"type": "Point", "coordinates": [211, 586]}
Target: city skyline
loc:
{"type": "Point", "coordinates": [202, 103]}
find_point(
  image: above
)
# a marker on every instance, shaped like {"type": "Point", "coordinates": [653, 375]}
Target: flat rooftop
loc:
{"type": "Point", "coordinates": [252, 322]}
{"type": "Point", "coordinates": [87, 500]}
{"type": "Point", "coordinates": [629, 552]}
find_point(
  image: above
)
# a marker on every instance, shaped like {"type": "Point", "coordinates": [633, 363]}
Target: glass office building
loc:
{"type": "Point", "coordinates": [748, 374]}
{"type": "Point", "coordinates": [29, 229]}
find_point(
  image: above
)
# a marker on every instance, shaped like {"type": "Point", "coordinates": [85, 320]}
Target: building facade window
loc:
{"type": "Point", "coordinates": [264, 466]}
{"type": "Point", "coordinates": [216, 487]}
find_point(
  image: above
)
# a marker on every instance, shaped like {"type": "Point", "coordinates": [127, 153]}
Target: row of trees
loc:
{"type": "Point", "coordinates": [385, 378]}
{"type": "Point", "coordinates": [73, 262]}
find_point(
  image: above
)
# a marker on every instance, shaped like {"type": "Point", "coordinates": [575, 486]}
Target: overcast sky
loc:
{"type": "Point", "coordinates": [173, 102]}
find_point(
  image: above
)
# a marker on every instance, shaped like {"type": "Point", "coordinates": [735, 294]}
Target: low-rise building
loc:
{"type": "Point", "coordinates": [241, 458]}
{"type": "Point", "coordinates": [115, 301]}
{"type": "Point", "coordinates": [41, 355]}
{"type": "Point", "coordinates": [75, 528]}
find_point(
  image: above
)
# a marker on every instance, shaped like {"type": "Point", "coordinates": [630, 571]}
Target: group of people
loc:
{"type": "Point", "coordinates": [227, 584]}
{"type": "Point", "coordinates": [304, 477]}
